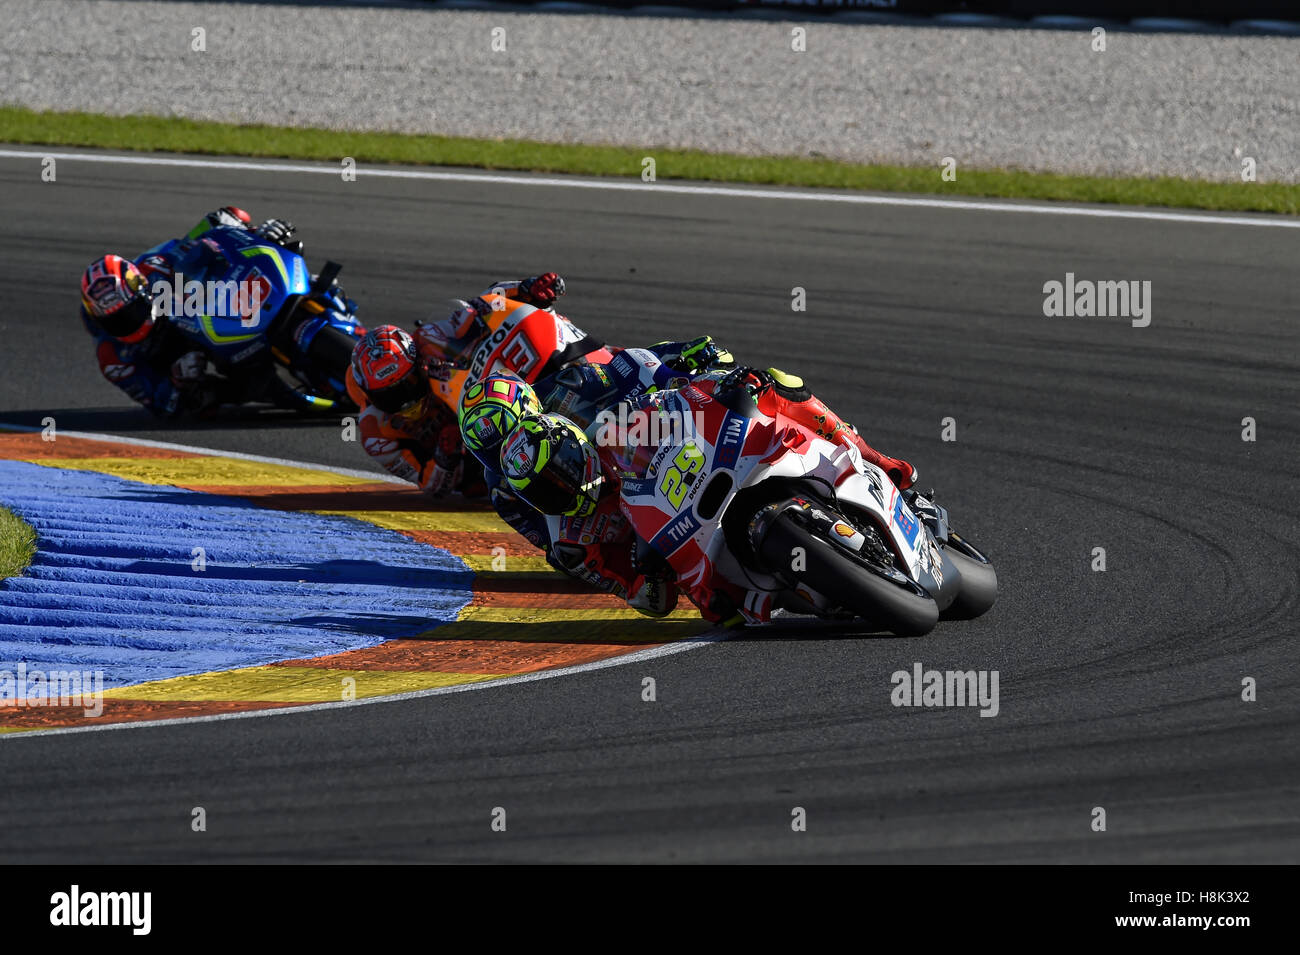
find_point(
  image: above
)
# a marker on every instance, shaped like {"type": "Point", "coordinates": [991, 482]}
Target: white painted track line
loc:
{"type": "Point", "coordinates": [673, 188]}
{"type": "Point", "coordinates": [376, 476]}
{"type": "Point", "coordinates": [637, 656]}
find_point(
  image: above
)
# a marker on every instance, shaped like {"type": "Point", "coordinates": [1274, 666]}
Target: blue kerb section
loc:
{"type": "Point", "coordinates": [112, 586]}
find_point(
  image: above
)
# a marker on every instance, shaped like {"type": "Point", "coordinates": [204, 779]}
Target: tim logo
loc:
{"type": "Point", "coordinates": [675, 533]}
{"type": "Point", "coordinates": [730, 440]}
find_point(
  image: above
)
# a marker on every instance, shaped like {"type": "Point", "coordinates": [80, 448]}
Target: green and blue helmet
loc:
{"type": "Point", "coordinates": [490, 409]}
{"type": "Point", "coordinates": [552, 465]}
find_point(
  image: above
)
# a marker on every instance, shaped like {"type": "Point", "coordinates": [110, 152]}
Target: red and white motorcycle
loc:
{"type": "Point", "coordinates": [761, 509]}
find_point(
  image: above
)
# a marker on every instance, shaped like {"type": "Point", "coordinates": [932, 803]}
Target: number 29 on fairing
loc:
{"type": "Point", "coordinates": [689, 460]}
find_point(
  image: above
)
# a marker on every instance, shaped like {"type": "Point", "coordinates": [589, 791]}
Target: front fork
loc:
{"type": "Point", "coordinates": [936, 518]}
{"type": "Point", "coordinates": [931, 514]}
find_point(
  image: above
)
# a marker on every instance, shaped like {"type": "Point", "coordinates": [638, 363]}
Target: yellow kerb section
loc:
{"type": "Point", "coordinates": [283, 684]}
{"type": "Point", "coordinates": [524, 567]}
{"type": "Point", "coordinates": [204, 471]}
{"type": "Point", "coordinates": [482, 521]}
{"type": "Point", "coordinates": [524, 615]}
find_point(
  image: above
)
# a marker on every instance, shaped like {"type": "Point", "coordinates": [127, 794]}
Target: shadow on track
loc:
{"type": "Point", "coordinates": [131, 420]}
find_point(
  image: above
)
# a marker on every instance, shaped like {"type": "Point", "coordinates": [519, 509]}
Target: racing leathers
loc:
{"type": "Point", "coordinates": [424, 449]}
{"type": "Point", "coordinates": [164, 371]}
{"type": "Point", "coordinates": [600, 549]}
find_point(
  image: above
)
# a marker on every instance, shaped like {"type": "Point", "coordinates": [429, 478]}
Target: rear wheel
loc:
{"type": "Point", "coordinates": [847, 580]}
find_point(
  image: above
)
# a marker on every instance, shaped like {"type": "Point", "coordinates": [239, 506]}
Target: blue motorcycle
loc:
{"type": "Point", "coordinates": [304, 326]}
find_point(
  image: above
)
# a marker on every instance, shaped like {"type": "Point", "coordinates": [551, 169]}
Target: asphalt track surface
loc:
{"type": "Point", "coordinates": [1118, 689]}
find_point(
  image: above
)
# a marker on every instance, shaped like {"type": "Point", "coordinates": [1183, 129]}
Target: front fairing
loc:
{"type": "Point", "coordinates": [683, 524]}
{"type": "Point", "coordinates": [225, 261]}
{"type": "Point", "coordinates": [669, 449]}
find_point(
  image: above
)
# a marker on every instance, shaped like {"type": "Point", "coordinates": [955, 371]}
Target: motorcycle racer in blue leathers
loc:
{"type": "Point", "coordinates": [143, 352]}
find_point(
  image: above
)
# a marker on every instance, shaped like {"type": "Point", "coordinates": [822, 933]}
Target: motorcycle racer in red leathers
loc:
{"type": "Point", "coordinates": [551, 467]}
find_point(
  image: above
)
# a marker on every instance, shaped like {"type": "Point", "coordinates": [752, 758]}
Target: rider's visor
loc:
{"type": "Point", "coordinates": [130, 322]}
{"type": "Point", "coordinates": [566, 484]}
{"type": "Point", "coordinates": [402, 396]}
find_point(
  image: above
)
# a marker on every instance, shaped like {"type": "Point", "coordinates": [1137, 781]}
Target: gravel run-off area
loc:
{"type": "Point", "coordinates": [1192, 105]}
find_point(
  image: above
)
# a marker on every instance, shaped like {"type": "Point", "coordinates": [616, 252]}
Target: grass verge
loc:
{"type": "Point", "coordinates": [17, 544]}
{"type": "Point", "coordinates": [153, 133]}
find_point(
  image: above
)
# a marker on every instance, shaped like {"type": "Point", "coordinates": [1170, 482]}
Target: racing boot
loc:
{"type": "Point", "coordinates": [653, 596]}
{"type": "Point", "coordinates": [791, 396]}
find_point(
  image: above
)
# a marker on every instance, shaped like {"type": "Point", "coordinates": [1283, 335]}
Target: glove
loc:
{"type": "Point", "coordinates": [741, 378]}
{"type": "Point", "coordinates": [189, 370]}
{"type": "Point", "coordinates": [229, 216]}
{"type": "Point", "coordinates": [197, 391]}
{"type": "Point", "coordinates": [437, 480]}
{"type": "Point", "coordinates": [279, 231]}
{"type": "Point", "coordinates": [542, 290]}
{"type": "Point", "coordinates": [443, 473]}
{"type": "Point", "coordinates": [448, 448]}
{"type": "Point", "coordinates": [698, 354]}
{"type": "Point", "coordinates": [567, 558]}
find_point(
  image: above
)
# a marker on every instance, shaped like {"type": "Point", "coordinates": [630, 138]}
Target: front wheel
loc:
{"type": "Point", "coordinates": [979, 582]}
{"type": "Point", "coordinates": [330, 357]}
{"type": "Point", "coordinates": [847, 580]}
